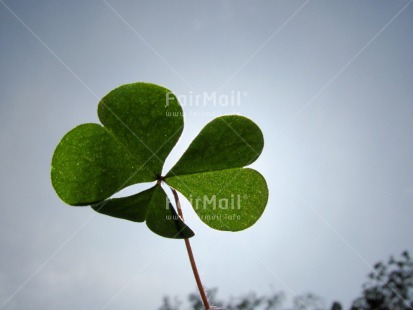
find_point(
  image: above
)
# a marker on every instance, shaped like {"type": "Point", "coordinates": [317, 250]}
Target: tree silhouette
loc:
{"type": "Point", "coordinates": [336, 306]}
{"type": "Point", "coordinates": [390, 286]}
{"type": "Point", "coordinates": [308, 301]}
{"type": "Point", "coordinates": [246, 302]}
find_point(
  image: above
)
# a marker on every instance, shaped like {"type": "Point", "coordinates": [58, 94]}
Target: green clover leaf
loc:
{"type": "Point", "coordinates": [141, 124]}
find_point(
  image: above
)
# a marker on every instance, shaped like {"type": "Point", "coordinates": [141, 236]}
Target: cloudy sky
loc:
{"type": "Point", "coordinates": [328, 82]}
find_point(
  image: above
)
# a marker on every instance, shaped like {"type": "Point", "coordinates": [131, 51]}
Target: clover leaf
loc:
{"type": "Point", "coordinates": [142, 122]}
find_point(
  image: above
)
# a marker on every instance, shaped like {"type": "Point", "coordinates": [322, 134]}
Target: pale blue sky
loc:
{"type": "Point", "coordinates": [328, 82]}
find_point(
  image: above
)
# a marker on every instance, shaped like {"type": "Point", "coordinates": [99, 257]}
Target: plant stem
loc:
{"type": "Point", "coordinates": [191, 256]}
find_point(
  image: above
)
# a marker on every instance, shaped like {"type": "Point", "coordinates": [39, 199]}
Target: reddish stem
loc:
{"type": "Point", "coordinates": [191, 256]}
